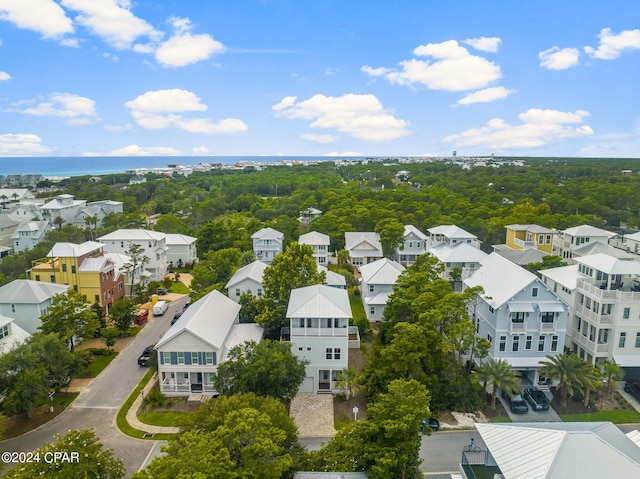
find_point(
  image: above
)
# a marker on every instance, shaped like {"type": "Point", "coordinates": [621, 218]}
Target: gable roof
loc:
{"type": "Point", "coordinates": [267, 233]}
{"type": "Point", "coordinates": [566, 276]}
{"type": "Point", "coordinates": [451, 231]}
{"type": "Point", "coordinates": [362, 240]}
{"type": "Point", "coordinates": [253, 271]}
{"type": "Point", "coordinates": [530, 228]}
{"type": "Point", "coordinates": [210, 319]}
{"type": "Point", "coordinates": [457, 253]}
{"type": "Point", "coordinates": [133, 235]}
{"type": "Point", "coordinates": [319, 301]}
{"type": "Point", "coordinates": [609, 264]}
{"type": "Point", "coordinates": [40, 227]}
{"type": "Point", "coordinates": [560, 450]}
{"type": "Point", "coordinates": [314, 238]}
{"type": "Point", "coordinates": [520, 257]}
{"type": "Point", "coordinates": [26, 291]}
{"type": "Point", "coordinates": [72, 250]}
{"type": "Point", "coordinates": [500, 278]}
{"type": "Point", "coordinates": [410, 229]}
{"type": "Point", "coordinates": [333, 278]}
{"type": "Point", "coordinates": [95, 265]}
{"type": "Point", "coordinates": [382, 271]}
{"type": "Point", "coordinates": [178, 239]}
{"type": "Point", "coordinates": [586, 230]}
{"type": "Point", "coordinates": [598, 247]}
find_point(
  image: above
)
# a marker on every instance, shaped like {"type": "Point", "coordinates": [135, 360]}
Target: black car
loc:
{"type": "Point", "coordinates": [537, 399]}
{"type": "Point", "coordinates": [144, 358]}
{"type": "Point", "coordinates": [516, 403]}
{"type": "Point", "coordinates": [632, 386]}
{"type": "Point", "coordinates": [431, 423]}
{"type": "Point", "coordinates": [176, 317]}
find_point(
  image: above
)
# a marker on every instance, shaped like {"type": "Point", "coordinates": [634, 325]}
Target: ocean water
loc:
{"type": "Point", "coordinates": [94, 165]}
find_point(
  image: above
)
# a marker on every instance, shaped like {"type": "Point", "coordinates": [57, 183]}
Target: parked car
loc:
{"type": "Point", "coordinates": [632, 386]}
{"type": "Point", "coordinates": [176, 317]}
{"type": "Point", "coordinates": [516, 403]}
{"type": "Point", "coordinates": [161, 290]}
{"type": "Point", "coordinates": [432, 423]}
{"type": "Point", "coordinates": [537, 399]}
{"type": "Point", "coordinates": [144, 358]}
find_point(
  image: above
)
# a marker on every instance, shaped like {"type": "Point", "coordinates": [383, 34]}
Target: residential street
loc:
{"type": "Point", "coordinates": [97, 406]}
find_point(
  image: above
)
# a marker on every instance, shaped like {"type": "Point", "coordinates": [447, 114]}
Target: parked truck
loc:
{"type": "Point", "coordinates": [160, 308]}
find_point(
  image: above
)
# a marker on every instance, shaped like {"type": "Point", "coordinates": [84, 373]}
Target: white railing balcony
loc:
{"type": "Point", "coordinates": [169, 385]}
{"type": "Point", "coordinates": [517, 326]}
{"type": "Point", "coordinates": [320, 332]}
{"type": "Point", "coordinates": [525, 244]}
{"type": "Point", "coordinates": [547, 326]}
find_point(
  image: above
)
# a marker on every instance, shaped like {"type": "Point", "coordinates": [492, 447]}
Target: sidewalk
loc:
{"type": "Point", "coordinates": [133, 420]}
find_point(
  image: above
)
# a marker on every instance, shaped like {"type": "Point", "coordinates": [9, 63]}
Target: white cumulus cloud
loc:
{"type": "Point", "coordinates": [22, 144]}
{"type": "Point", "coordinates": [487, 95]}
{"type": "Point", "coordinates": [611, 45]}
{"type": "Point", "coordinates": [485, 44]}
{"type": "Point", "coordinates": [451, 68]}
{"type": "Point", "coordinates": [556, 58]}
{"type": "Point", "coordinates": [185, 48]}
{"type": "Point", "coordinates": [201, 150]}
{"type": "Point", "coordinates": [75, 109]}
{"type": "Point", "coordinates": [42, 16]}
{"type": "Point", "coordinates": [360, 116]}
{"type": "Point", "coordinates": [159, 109]}
{"type": "Point", "coordinates": [112, 21]}
{"type": "Point", "coordinates": [538, 128]}
{"type": "Point", "coordinates": [136, 150]}
{"type": "Point", "coordinates": [4, 76]}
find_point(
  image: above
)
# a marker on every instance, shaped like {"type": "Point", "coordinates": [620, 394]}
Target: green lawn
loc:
{"type": "Point", "coordinates": [613, 415]}
{"type": "Point", "coordinates": [99, 363]}
{"type": "Point", "coordinates": [163, 418]}
{"type": "Point", "coordinates": [359, 316]}
{"type": "Point", "coordinates": [179, 288]}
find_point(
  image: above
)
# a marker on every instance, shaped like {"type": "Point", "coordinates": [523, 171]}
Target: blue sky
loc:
{"type": "Point", "coordinates": [344, 77]}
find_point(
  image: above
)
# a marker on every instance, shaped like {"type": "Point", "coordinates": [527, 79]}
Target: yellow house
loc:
{"type": "Point", "coordinates": [522, 237]}
{"type": "Point", "coordinates": [85, 269]}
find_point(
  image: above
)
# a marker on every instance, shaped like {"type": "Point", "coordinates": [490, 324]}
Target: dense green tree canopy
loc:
{"type": "Point", "coordinates": [70, 316]}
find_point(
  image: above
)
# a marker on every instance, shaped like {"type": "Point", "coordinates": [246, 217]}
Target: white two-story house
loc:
{"type": "Point", "coordinates": [181, 250]}
{"type": "Point", "coordinates": [320, 244]}
{"type": "Point", "coordinates": [319, 332]}
{"type": "Point", "coordinates": [153, 244]}
{"type": "Point", "coordinates": [26, 301]}
{"type": "Point", "coordinates": [604, 297]}
{"type": "Point", "coordinates": [376, 285]}
{"type": "Point", "coordinates": [28, 234]}
{"type": "Point", "coordinates": [248, 278]}
{"type": "Point", "coordinates": [463, 256]}
{"type": "Point", "coordinates": [363, 247]}
{"type": "Point", "coordinates": [567, 241]}
{"type": "Point", "coordinates": [451, 235]}
{"type": "Point", "coordinates": [267, 244]}
{"type": "Point", "coordinates": [413, 245]}
{"type": "Point", "coordinates": [522, 318]}
{"type": "Point", "coordinates": [190, 351]}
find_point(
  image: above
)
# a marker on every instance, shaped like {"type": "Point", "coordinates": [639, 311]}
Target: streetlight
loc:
{"type": "Point", "coordinates": [142, 396]}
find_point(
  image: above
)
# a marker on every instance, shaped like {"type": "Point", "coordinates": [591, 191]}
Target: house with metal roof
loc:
{"type": "Point", "coordinates": [28, 234]}
{"type": "Point", "coordinates": [363, 247]}
{"type": "Point", "coordinates": [414, 243]}
{"type": "Point", "coordinates": [248, 278]}
{"type": "Point", "coordinates": [567, 241]}
{"type": "Point", "coordinates": [319, 333]}
{"type": "Point", "coordinates": [62, 206]}
{"type": "Point", "coordinates": [26, 301]}
{"type": "Point", "coordinates": [603, 293]}
{"type": "Point", "coordinates": [11, 335]}
{"type": "Point", "coordinates": [377, 280]}
{"type": "Point", "coordinates": [558, 450]}
{"type": "Point", "coordinates": [530, 236]}
{"type": "Point", "coordinates": [191, 350]}
{"type": "Point", "coordinates": [319, 242]}
{"type": "Point", "coordinates": [152, 243]}
{"type": "Point", "coordinates": [463, 256]}
{"type": "Point", "coordinates": [523, 319]}
{"type": "Point", "coordinates": [267, 244]}
{"type": "Point", "coordinates": [181, 249]}
{"type": "Point", "coordinates": [332, 278]}
{"type": "Point", "coordinates": [451, 235]}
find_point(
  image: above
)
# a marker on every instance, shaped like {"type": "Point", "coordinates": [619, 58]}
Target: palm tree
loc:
{"type": "Point", "coordinates": [570, 371]}
{"type": "Point", "coordinates": [347, 380]}
{"type": "Point", "coordinates": [343, 257]}
{"type": "Point", "coordinates": [592, 383]}
{"type": "Point", "coordinates": [611, 372]}
{"type": "Point", "coordinates": [498, 372]}
{"type": "Point", "coordinates": [58, 221]}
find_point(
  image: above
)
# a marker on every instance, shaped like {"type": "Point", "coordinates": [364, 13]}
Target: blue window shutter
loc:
{"type": "Point", "coordinates": [174, 357]}
{"type": "Point", "coordinates": [215, 360]}
{"type": "Point", "coordinates": [187, 357]}
{"type": "Point", "coordinates": [161, 357]}
{"type": "Point", "coordinates": [201, 358]}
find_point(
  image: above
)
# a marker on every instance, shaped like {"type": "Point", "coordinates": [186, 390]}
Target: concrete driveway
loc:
{"type": "Point", "coordinates": [532, 416]}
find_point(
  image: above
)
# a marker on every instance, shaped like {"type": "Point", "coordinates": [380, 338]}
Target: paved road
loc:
{"type": "Point", "coordinates": [97, 406]}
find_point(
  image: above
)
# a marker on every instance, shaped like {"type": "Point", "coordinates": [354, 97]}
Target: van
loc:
{"type": "Point", "coordinates": [160, 308]}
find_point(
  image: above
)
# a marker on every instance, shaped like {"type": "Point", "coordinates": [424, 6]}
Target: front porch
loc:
{"type": "Point", "coordinates": [186, 383]}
